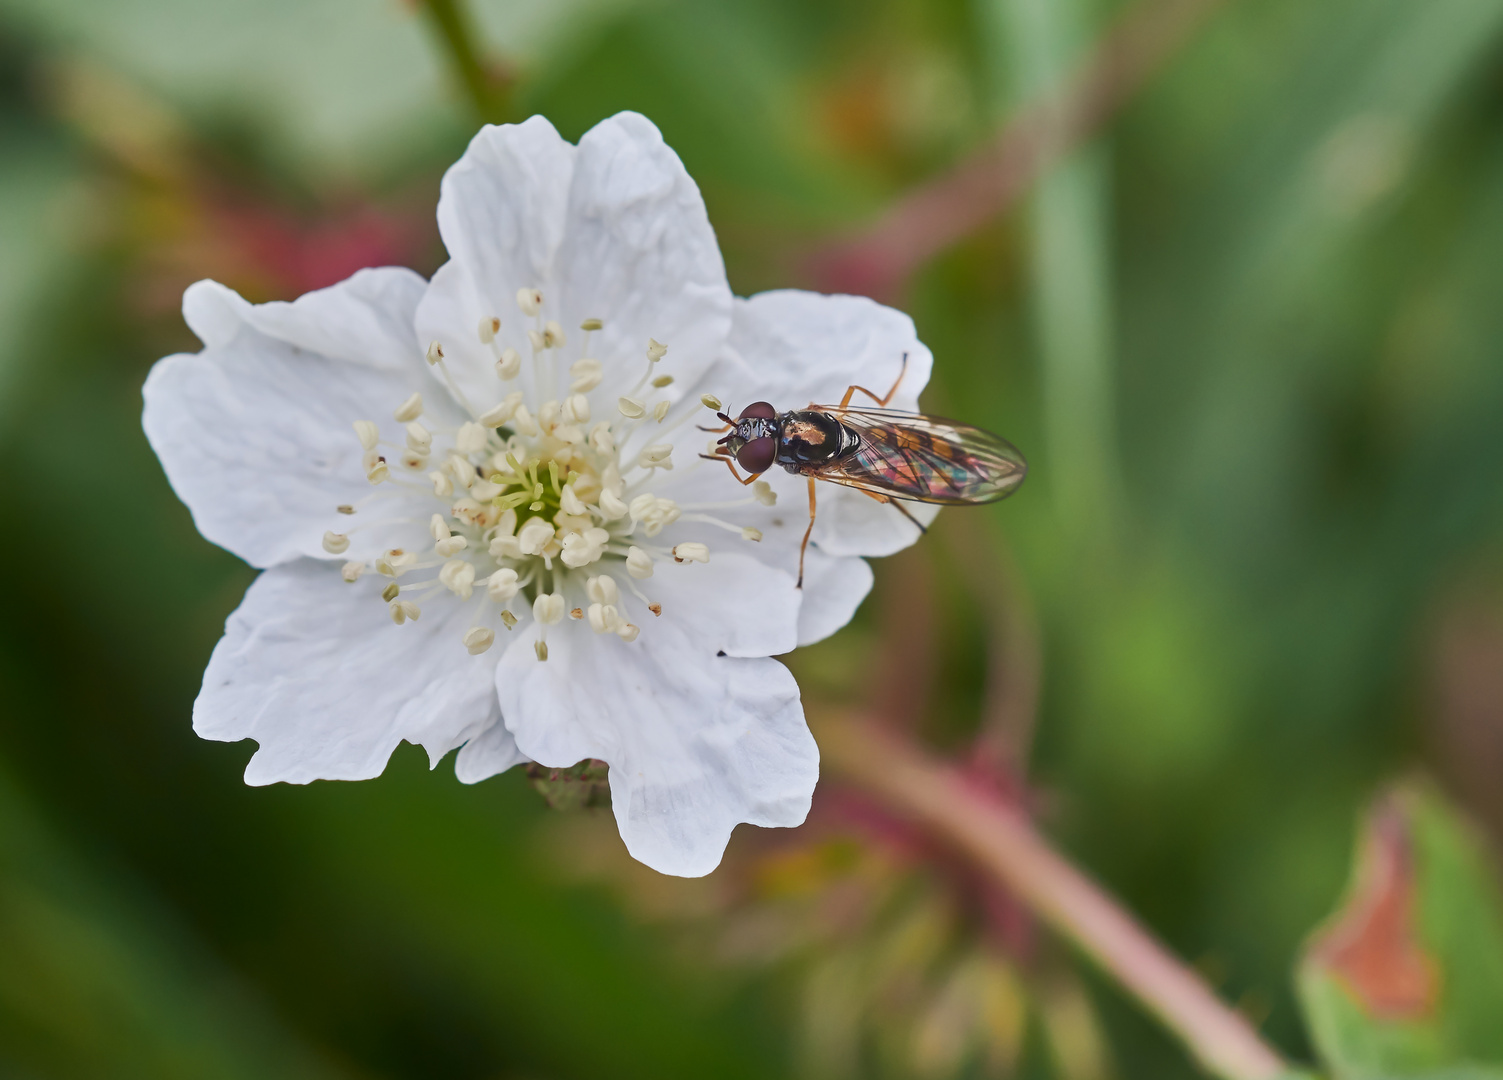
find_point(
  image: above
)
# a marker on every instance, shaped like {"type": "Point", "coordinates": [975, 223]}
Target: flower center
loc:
{"type": "Point", "coordinates": [533, 511]}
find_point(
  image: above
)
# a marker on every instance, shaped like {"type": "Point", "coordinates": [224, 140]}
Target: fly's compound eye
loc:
{"type": "Point", "coordinates": [758, 410]}
{"type": "Point", "coordinates": [757, 455]}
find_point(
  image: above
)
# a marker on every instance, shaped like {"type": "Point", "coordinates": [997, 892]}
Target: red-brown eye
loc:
{"type": "Point", "coordinates": [756, 456]}
{"type": "Point", "coordinates": [758, 410]}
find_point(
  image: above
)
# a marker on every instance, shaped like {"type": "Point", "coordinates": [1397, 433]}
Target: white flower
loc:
{"type": "Point", "coordinates": [665, 672]}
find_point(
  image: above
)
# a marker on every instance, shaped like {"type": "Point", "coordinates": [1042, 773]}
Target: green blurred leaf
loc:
{"type": "Point", "coordinates": [1406, 979]}
{"type": "Point", "coordinates": [96, 980]}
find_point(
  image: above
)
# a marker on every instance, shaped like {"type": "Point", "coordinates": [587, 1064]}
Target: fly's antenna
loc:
{"type": "Point", "coordinates": [724, 417]}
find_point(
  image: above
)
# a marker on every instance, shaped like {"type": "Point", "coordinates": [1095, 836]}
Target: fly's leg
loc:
{"type": "Point", "coordinates": [751, 479]}
{"type": "Point", "coordinates": [900, 507]}
{"type": "Point", "coordinates": [845, 402]}
{"type": "Point", "coordinates": [904, 511]}
{"type": "Point", "coordinates": [716, 430]}
{"type": "Point", "coordinates": [805, 545]}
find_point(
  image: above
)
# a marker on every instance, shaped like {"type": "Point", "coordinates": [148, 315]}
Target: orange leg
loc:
{"type": "Point", "coordinates": [751, 479]}
{"type": "Point", "coordinates": [845, 402]}
{"type": "Point", "coordinates": [805, 545]}
{"type": "Point", "coordinates": [721, 430]}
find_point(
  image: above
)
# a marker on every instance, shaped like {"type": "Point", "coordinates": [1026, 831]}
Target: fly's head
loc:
{"type": "Point", "coordinates": [754, 436]}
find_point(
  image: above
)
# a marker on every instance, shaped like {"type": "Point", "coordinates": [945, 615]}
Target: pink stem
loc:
{"type": "Point", "coordinates": [1003, 843]}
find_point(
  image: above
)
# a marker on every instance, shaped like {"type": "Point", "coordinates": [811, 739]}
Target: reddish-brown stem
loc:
{"type": "Point", "coordinates": [1002, 843]}
{"type": "Point", "coordinates": [955, 204]}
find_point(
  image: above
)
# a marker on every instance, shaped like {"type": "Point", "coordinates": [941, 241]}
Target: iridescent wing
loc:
{"type": "Point", "coordinates": [924, 458]}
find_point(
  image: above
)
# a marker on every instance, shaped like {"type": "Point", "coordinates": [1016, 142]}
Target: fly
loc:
{"type": "Point", "coordinates": [891, 455]}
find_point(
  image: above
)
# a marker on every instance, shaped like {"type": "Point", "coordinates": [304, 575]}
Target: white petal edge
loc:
{"type": "Point", "coordinates": [254, 432]}
{"type": "Point", "coordinates": [697, 742]}
{"type": "Point", "coordinates": [313, 670]}
{"type": "Point", "coordinates": [613, 229]}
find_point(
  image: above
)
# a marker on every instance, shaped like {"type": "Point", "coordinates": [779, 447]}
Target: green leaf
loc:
{"type": "Point", "coordinates": [1406, 979]}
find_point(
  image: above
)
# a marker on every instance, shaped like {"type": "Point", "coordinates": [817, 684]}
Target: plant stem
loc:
{"type": "Point", "coordinates": [1003, 843]}
{"type": "Point", "coordinates": [485, 91]}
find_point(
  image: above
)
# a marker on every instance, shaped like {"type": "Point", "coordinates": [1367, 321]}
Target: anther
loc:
{"type": "Point", "coordinates": [500, 413]}
{"type": "Point", "coordinates": [576, 613]}
{"type": "Point", "coordinates": [656, 456]}
{"type": "Point", "coordinates": [419, 438]}
{"type": "Point", "coordinates": [529, 300]}
{"type": "Point", "coordinates": [437, 528]}
{"type": "Point", "coordinates": [413, 460]}
{"type": "Point", "coordinates": [351, 571]}
{"type": "Point", "coordinates": [435, 352]}
{"type": "Point", "coordinates": [585, 374]}
{"type": "Point", "coordinates": [628, 632]}
{"type": "Point", "coordinates": [582, 549]}
{"type": "Point", "coordinates": [471, 438]}
{"type": "Point", "coordinates": [458, 576]}
{"type": "Point", "coordinates": [656, 609]}
{"type": "Point", "coordinates": [345, 508]}
{"type": "Point", "coordinates": [662, 381]}
{"type": "Point", "coordinates": [502, 585]}
{"type": "Point", "coordinates": [749, 533]}
{"type": "Point", "coordinates": [367, 433]}
{"type": "Point", "coordinates": [336, 543]}
{"type": "Point", "coordinates": [450, 546]}
{"type": "Point", "coordinates": [509, 366]}
{"type": "Point", "coordinates": [602, 439]}
{"type": "Point", "coordinates": [443, 487]}
{"type": "Point", "coordinates": [548, 609]}
{"type": "Point", "coordinates": [604, 618]}
{"type": "Point", "coordinates": [534, 536]}
{"type": "Point", "coordinates": [569, 502]}
{"type": "Point", "coordinates": [611, 507]}
{"type": "Point", "coordinates": [655, 350]}
{"type": "Point", "coordinates": [638, 563]}
{"type": "Point", "coordinates": [477, 639]}
{"type": "Point", "coordinates": [763, 493]}
{"type": "Point", "coordinates": [410, 409]}
{"type": "Point", "coordinates": [591, 324]}
{"type": "Point", "coordinates": [402, 610]}
{"type": "Point", "coordinates": [395, 562]}
{"type": "Point", "coordinates": [660, 410]}
{"type": "Point", "coordinates": [540, 649]}
{"type": "Point", "coordinates": [631, 408]}
{"type": "Point", "coordinates": [711, 402]}
{"type": "Point", "coordinates": [553, 335]}
{"type": "Point", "coordinates": [378, 471]}
{"type": "Point", "coordinates": [603, 589]}
{"type": "Point", "coordinates": [523, 422]}
{"type": "Point", "coordinates": [391, 592]}
{"type": "Point", "coordinates": [488, 329]}
{"type": "Point", "coordinates": [691, 552]}
{"type": "Point", "coordinates": [575, 409]}
{"type": "Point", "coordinates": [509, 619]}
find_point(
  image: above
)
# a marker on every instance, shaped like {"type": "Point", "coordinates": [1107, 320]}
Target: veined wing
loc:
{"type": "Point", "coordinates": [925, 458]}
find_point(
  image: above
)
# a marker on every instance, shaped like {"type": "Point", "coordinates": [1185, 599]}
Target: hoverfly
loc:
{"type": "Point", "coordinates": [891, 455]}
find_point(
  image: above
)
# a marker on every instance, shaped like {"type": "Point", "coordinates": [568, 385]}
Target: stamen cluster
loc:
{"type": "Point", "coordinates": [535, 512]}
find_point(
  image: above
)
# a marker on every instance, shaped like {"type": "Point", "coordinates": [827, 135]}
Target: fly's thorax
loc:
{"type": "Point", "coordinates": [810, 437]}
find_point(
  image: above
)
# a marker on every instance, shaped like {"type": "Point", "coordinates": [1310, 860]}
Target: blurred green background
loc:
{"type": "Point", "coordinates": [1250, 336]}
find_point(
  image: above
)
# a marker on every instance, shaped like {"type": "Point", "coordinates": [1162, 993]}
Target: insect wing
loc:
{"type": "Point", "coordinates": [925, 458]}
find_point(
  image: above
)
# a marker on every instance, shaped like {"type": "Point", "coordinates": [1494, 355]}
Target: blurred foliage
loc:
{"type": "Point", "coordinates": [1408, 979]}
{"type": "Point", "coordinates": [1250, 340]}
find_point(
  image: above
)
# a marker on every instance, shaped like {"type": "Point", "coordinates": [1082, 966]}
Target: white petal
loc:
{"type": "Point", "coordinates": [491, 752]}
{"type": "Point", "coordinates": [696, 741]}
{"type": "Point", "coordinates": [365, 319]}
{"type": "Point", "coordinates": [834, 588]}
{"type": "Point", "coordinates": [314, 670]}
{"type": "Point", "coordinates": [254, 431]}
{"type": "Point", "coordinates": [613, 229]}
